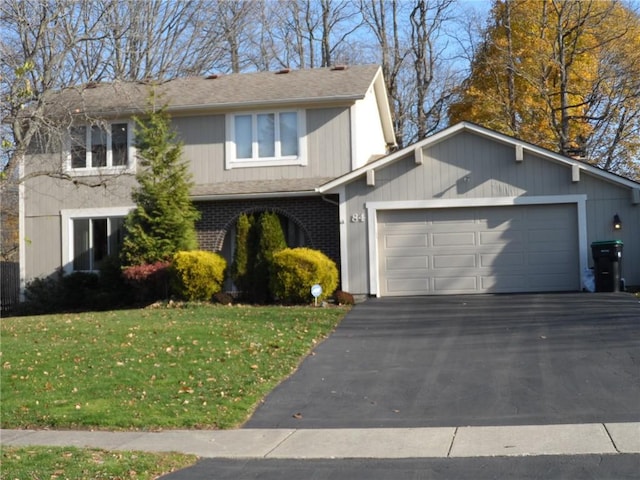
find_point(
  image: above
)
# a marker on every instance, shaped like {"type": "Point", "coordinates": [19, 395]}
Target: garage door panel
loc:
{"type": "Point", "coordinates": [454, 261]}
{"type": "Point", "coordinates": [455, 217]}
{"type": "Point", "coordinates": [502, 260]}
{"type": "Point", "coordinates": [450, 239]}
{"type": "Point", "coordinates": [405, 241]}
{"type": "Point", "coordinates": [487, 249]}
{"type": "Point", "coordinates": [499, 237]}
{"type": "Point", "coordinates": [407, 263]}
{"type": "Point", "coordinates": [458, 284]}
{"type": "Point", "coordinates": [553, 260]}
{"type": "Point", "coordinates": [400, 218]}
{"type": "Point", "coordinates": [546, 235]}
{"type": "Point", "coordinates": [407, 286]}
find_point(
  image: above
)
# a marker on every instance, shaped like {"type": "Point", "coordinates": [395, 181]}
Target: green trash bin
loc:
{"type": "Point", "coordinates": [607, 259]}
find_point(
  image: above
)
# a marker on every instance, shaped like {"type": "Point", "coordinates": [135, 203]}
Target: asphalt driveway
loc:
{"type": "Point", "coordinates": [469, 360]}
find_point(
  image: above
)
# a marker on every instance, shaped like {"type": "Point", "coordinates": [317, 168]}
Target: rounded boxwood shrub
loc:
{"type": "Point", "coordinates": [296, 270]}
{"type": "Point", "coordinates": [197, 274]}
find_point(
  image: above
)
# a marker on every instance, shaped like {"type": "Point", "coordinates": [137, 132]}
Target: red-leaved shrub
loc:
{"type": "Point", "coordinates": [150, 281]}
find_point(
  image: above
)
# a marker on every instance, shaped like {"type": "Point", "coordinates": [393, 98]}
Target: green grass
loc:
{"type": "Point", "coordinates": [202, 366]}
{"type": "Point", "coordinates": [79, 464]}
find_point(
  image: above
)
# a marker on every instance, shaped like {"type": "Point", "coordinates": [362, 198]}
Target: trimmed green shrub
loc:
{"type": "Point", "coordinates": [43, 295]}
{"type": "Point", "coordinates": [77, 291]}
{"type": "Point", "coordinates": [296, 270]}
{"type": "Point", "coordinates": [257, 239]}
{"type": "Point", "coordinates": [270, 241]}
{"type": "Point", "coordinates": [243, 255]}
{"type": "Point", "coordinates": [198, 275]}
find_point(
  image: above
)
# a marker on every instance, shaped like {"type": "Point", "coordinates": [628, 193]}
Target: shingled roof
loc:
{"type": "Point", "coordinates": [281, 187]}
{"type": "Point", "coordinates": [220, 92]}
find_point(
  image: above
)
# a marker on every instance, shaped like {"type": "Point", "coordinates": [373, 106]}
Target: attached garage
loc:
{"type": "Point", "coordinates": [471, 211]}
{"type": "Point", "coordinates": [502, 249]}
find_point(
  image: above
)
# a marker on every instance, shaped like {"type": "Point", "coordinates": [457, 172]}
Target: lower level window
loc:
{"type": "Point", "coordinates": [95, 239]}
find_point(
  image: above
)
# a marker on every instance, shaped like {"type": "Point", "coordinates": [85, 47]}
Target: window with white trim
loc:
{"type": "Point", "coordinates": [99, 147]}
{"type": "Point", "coordinates": [265, 139]}
{"type": "Point", "coordinates": [95, 239]}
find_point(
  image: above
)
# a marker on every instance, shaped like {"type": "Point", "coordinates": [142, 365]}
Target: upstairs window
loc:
{"type": "Point", "coordinates": [98, 147]}
{"type": "Point", "coordinates": [265, 138]}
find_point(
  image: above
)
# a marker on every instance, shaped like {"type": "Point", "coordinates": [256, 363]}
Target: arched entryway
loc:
{"type": "Point", "coordinates": [307, 221]}
{"type": "Point", "coordinates": [296, 235]}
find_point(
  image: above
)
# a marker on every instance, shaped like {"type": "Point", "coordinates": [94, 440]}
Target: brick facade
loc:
{"type": "Point", "coordinates": [317, 218]}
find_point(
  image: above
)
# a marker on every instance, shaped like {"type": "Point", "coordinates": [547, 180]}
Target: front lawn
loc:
{"type": "Point", "coordinates": [191, 367]}
{"type": "Point", "coordinates": [79, 464]}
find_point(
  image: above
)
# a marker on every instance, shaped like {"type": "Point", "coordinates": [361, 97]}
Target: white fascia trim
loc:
{"type": "Point", "coordinates": [344, 244]}
{"type": "Point", "coordinates": [373, 208]}
{"type": "Point", "coordinates": [66, 227]}
{"type": "Point", "coordinates": [382, 99]}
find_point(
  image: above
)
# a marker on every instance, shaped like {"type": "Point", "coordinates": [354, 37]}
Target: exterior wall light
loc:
{"type": "Point", "coordinates": [617, 223]}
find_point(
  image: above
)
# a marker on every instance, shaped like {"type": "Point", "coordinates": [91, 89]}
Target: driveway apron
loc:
{"type": "Point", "coordinates": [469, 360]}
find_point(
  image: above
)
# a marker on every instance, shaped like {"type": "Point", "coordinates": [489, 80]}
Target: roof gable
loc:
{"type": "Point", "coordinates": [484, 132]}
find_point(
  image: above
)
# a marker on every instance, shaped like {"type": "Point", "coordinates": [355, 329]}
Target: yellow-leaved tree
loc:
{"type": "Point", "coordinates": [561, 74]}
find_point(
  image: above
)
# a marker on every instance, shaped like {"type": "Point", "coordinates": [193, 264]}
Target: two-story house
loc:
{"type": "Point", "coordinates": [254, 142]}
{"type": "Point", "coordinates": [467, 210]}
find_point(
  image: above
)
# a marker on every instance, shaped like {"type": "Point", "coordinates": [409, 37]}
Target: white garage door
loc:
{"type": "Point", "coordinates": [531, 248]}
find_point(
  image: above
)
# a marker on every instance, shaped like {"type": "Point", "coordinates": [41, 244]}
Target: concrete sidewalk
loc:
{"type": "Point", "coordinates": [390, 443]}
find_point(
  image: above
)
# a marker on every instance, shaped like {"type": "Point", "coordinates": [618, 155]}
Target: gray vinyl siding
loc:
{"type": "Point", "coordinates": [328, 148]}
{"type": "Point", "coordinates": [48, 196]}
{"type": "Point", "coordinates": [43, 250]}
{"type": "Point", "coordinates": [44, 199]}
{"type": "Point", "coordinates": [492, 171]}
{"type": "Point", "coordinates": [328, 142]}
{"type": "Point", "coordinates": [203, 139]}
{"type": "Point", "coordinates": [328, 154]}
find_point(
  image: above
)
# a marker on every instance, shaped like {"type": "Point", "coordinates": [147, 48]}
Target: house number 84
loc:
{"type": "Point", "coordinates": [358, 217]}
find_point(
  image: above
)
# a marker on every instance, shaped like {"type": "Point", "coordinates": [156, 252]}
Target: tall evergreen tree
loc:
{"type": "Point", "coordinates": [242, 263]}
{"type": "Point", "coordinates": [163, 221]}
{"type": "Point", "coordinates": [258, 237]}
{"type": "Point", "coordinates": [270, 240]}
